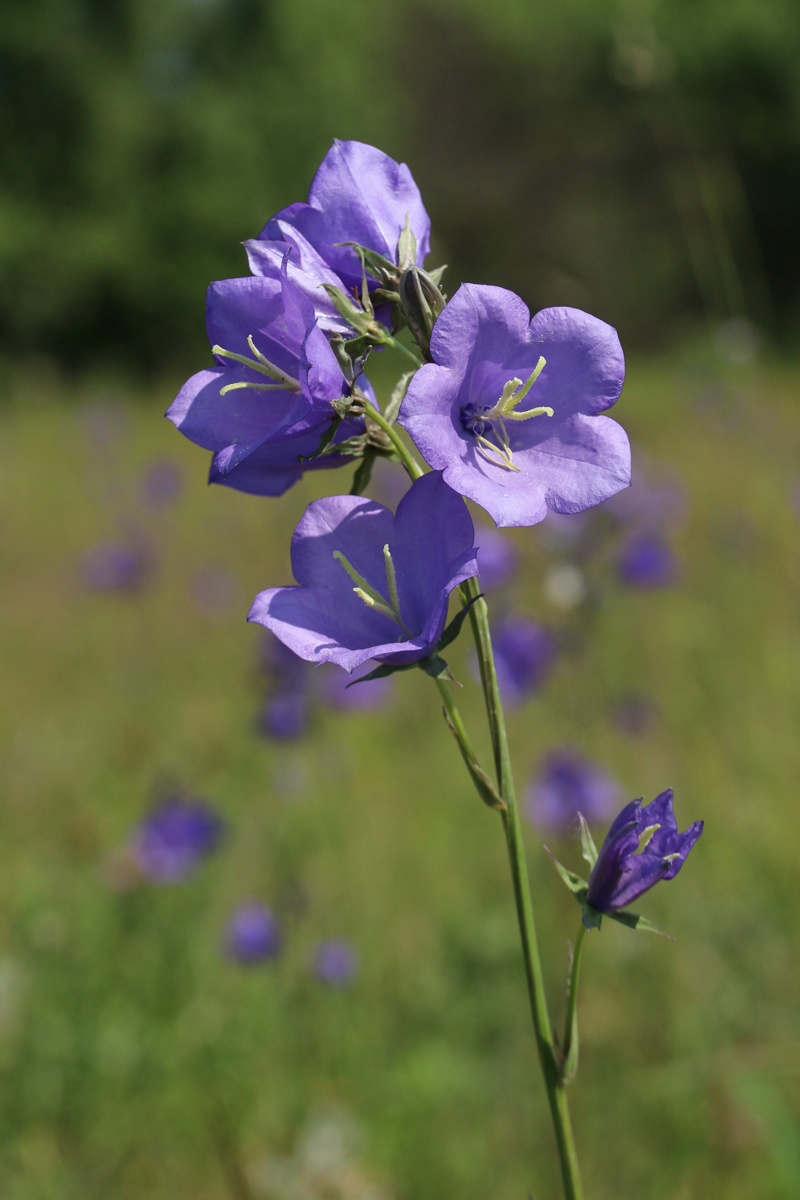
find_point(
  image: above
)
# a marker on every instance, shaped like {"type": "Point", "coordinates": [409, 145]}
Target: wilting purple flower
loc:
{"type": "Point", "coordinates": [566, 784]}
{"type": "Point", "coordinates": [370, 695]}
{"type": "Point", "coordinates": [497, 558]}
{"type": "Point", "coordinates": [404, 569]}
{"type": "Point", "coordinates": [335, 962]}
{"type": "Point", "coordinates": [509, 408]}
{"type": "Point", "coordinates": [642, 847]}
{"type": "Point", "coordinates": [117, 566]}
{"type": "Point", "coordinates": [646, 560]}
{"type": "Point", "coordinates": [525, 654]}
{"type": "Point", "coordinates": [253, 934]}
{"type": "Point", "coordinates": [174, 838]}
{"type": "Point", "coordinates": [268, 401]}
{"type": "Point", "coordinates": [359, 194]}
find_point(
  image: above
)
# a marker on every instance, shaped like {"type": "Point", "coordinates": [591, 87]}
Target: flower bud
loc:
{"type": "Point", "coordinates": [422, 302]}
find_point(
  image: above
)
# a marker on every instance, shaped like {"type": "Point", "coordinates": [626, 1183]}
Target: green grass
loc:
{"type": "Point", "coordinates": [137, 1062]}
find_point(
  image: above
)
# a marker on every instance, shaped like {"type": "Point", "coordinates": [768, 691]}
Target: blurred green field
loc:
{"type": "Point", "coordinates": [138, 1062]}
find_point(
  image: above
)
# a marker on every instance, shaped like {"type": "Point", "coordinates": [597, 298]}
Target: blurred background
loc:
{"type": "Point", "coordinates": [256, 934]}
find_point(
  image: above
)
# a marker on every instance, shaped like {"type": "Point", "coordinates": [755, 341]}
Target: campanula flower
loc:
{"type": "Point", "coordinates": [642, 847]}
{"type": "Point", "coordinates": [253, 934]}
{"type": "Point", "coordinates": [525, 655]}
{"type": "Point", "coordinates": [268, 400]}
{"type": "Point", "coordinates": [174, 838]}
{"type": "Point", "coordinates": [371, 585]}
{"type": "Point", "coordinates": [359, 194]}
{"type": "Point", "coordinates": [566, 784]}
{"type": "Point", "coordinates": [335, 962]}
{"type": "Point", "coordinates": [646, 560]}
{"type": "Point", "coordinates": [510, 407]}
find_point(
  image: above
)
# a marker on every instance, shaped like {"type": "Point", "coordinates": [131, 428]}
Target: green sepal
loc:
{"type": "Point", "coordinates": [380, 268]}
{"type": "Point", "coordinates": [437, 273]}
{"type": "Point", "coordinates": [435, 666]}
{"type": "Point", "coordinates": [588, 848]}
{"type": "Point", "coordinates": [454, 628]}
{"type": "Point", "coordinates": [397, 397]}
{"type": "Point", "coordinates": [348, 310]}
{"type": "Point", "coordinates": [579, 887]}
{"type": "Point", "coordinates": [635, 921]}
{"type": "Point", "coordinates": [407, 247]}
{"type": "Point", "coordinates": [483, 783]}
{"type": "Point", "coordinates": [591, 918]}
{"type": "Point", "coordinates": [363, 473]}
{"type": "Point", "coordinates": [327, 438]}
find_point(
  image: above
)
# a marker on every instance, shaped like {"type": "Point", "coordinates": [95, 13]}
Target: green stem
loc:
{"type": "Point", "coordinates": [569, 1044]}
{"type": "Point", "coordinates": [550, 1063]}
{"type": "Point", "coordinates": [388, 340]}
{"type": "Point", "coordinates": [401, 450]}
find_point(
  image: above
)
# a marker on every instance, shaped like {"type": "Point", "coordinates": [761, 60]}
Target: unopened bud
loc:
{"type": "Point", "coordinates": [422, 302]}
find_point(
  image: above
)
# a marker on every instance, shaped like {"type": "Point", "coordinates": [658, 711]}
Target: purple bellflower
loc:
{"type": "Point", "coordinates": [567, 784]}
{"type": "Point", "coordinates": [510, 407]}
{"type": "Point", "coordinates": [359, 194]}
{"type": "Point", "coordinates": [253, 934]}
{"type": "Point", "coordinates": [335, 962]}
{"type": "Point", "coordinates": [646, 560]}
{"type": "Point", "coordinates": [642, 847]}
{"type": "Point", "coordinates": [525, 654]}
{"type": "Point", "coordinates": [269, 399]}
{"type": "Point", "coordinates": [403, 569]}
{"type": "Point", "coordinates": [174, 838]}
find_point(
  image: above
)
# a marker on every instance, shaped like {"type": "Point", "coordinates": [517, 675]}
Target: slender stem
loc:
{"type": "Point", "coordinates": [402, 451]}
{"type": "Point", "coordinates": [388, 340]}
{"type": "Point", "coordinates": [559, 1109]}
{"type": "Point", "coordinates": [569, 1043]}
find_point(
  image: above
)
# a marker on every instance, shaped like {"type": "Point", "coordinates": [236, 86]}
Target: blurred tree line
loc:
{"type": "Point", "coordinates": [638, 158]}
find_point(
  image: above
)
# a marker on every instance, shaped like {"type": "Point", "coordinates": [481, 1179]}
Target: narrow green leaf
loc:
{"type": "Point", "coordinates": [407, 247]}
{"type": "Point", "coordinates": [454, 628]}
{"type": "Point", "coordinates": [397, 397]}
{"type": "Point", "coordinates": [634, 921]}
{"type": "Point", "coordinates": [483, 783]}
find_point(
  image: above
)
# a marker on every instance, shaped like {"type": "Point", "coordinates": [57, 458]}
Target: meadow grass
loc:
{"type": "Point", "coordinates": [137, 1061]}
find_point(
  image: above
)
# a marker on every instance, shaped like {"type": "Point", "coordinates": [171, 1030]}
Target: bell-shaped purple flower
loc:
{"type": "Point", "coordinates": [359, 194]}
{"type": "Point", "coordinates": [253, 934]}
{"type": "Point", "coordinates": [566, 784]}
{"type": "Point", "coordinates": [510, 407]}
{"type": "Point", "coordinates": [525, 655]}
{"type": "Point", "coordinates": [646, 560]}
{"type": "Point", "coordinates": [403, 569]}
{"type": "Point", "coordinates": [267, 402]}
{"type": "Point", "coordinates": [175, 838]}
{"type": "Point", "coordinates": [642, 847]}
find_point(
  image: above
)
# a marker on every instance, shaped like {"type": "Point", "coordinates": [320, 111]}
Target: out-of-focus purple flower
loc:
{"type": "Point", "coordinates": [285, 715]}
{"type": "Point", "coordinates": [525, 654]}
{"type": "Point", "coordinates": [117, 566]}
{"type": "Point", "coordinates": [634, 713]}
{"type": "Point", "coordinates": [370, 695]}
{"type": "Point", "coordinates": [359, 194]}
{"type": "Point", "coordinates": [646, 560]}
{"type": "Point", "coordinates": [510, 407]}
{"type": "Point", "coordinates": [649, 503]}
{"type": "Point", "coordinates": [404, 569]}
{"type": "Point", "coordinates": [253, 934]}
{"type": "Point", "coordinates": [335, 962]}
{"type": "Point", "coordinates": [497, 558]}
{"type": "Point", "coordinates": [566, 784]}
{"type": "Point", "coordinates": [175, 838]}
{"type": "Point", "coordinates": [642, 847]}
{"type": "Point", "coordinates": [269, 400]}
{"type": "Point", "coordinates": [162, 483]}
